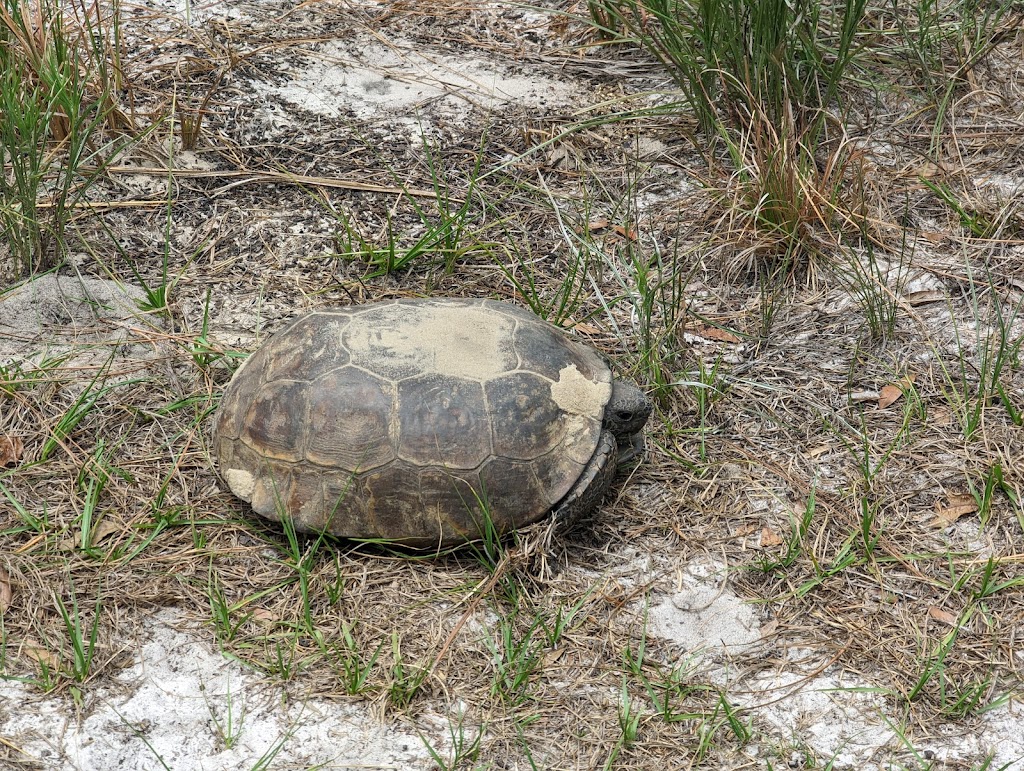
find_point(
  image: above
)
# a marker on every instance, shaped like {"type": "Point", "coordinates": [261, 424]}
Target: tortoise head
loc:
{"type": "Point", "coordinates": [625, 415]}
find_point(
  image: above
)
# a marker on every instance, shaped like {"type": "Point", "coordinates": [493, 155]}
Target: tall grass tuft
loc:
{"type": "Point", "coordinates": [59, 70]}
{"type": "Point", "coordinates": [735, 60]}
{"type": "Point", "coordinates": [763, 78]}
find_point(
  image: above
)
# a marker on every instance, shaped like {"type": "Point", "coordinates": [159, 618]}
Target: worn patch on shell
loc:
{"type": "Point", "coordinates": [241, 483]}
{"type": "Point", "coordinates": [577, 395]}
{"type": "Point", "coordinates": [453, 340]}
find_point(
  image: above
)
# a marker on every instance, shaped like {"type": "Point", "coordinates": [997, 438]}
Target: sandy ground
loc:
{"type": "Point", "coordinates": [184, 705]}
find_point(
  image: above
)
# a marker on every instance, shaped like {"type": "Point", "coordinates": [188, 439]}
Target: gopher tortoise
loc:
{"type": "Point", "coordinates": [418, 421]}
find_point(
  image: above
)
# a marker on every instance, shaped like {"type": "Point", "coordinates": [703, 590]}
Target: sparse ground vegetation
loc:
{"type": "Point", "coordinates": [799, 225]}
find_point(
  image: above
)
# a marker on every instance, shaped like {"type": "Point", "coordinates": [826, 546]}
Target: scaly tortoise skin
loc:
{"type": "Point", "coordinates": [404, 420]}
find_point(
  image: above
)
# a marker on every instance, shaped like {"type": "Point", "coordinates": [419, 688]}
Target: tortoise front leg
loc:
{"type": "Point", "coordinates": [586, 494]}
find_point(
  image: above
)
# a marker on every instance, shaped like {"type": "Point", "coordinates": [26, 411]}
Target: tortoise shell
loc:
{"type": "Point", "coordinates": [406, 420]}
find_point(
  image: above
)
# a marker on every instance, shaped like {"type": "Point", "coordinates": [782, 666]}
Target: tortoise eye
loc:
{"type": "Point", "coordinates": [624, 415]}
